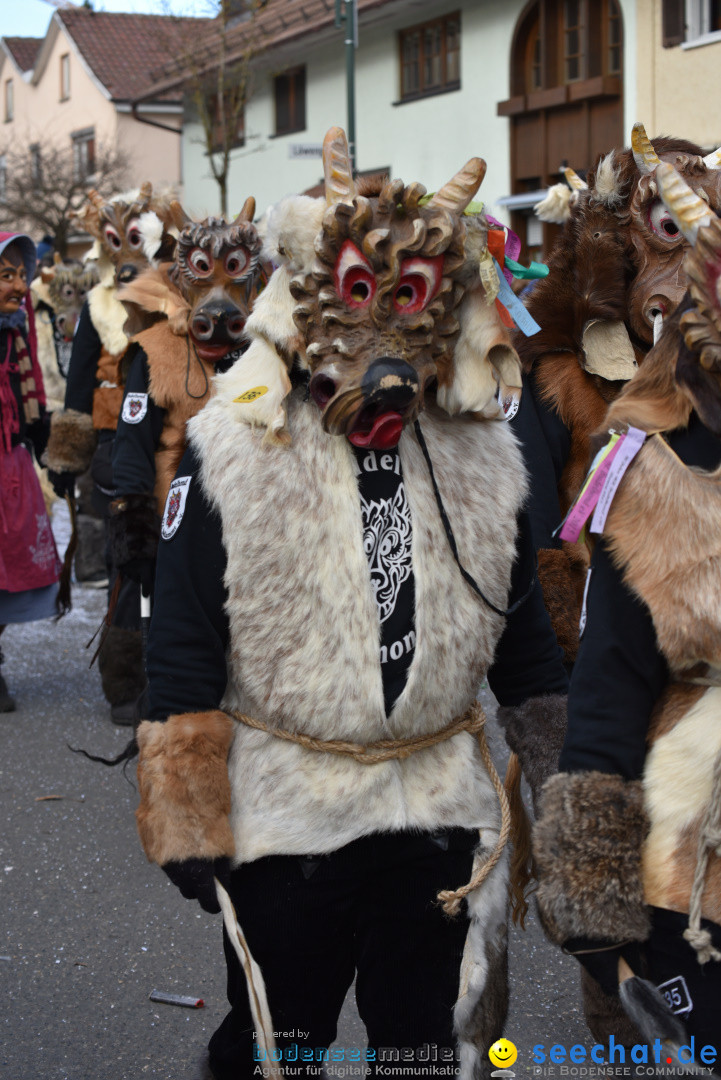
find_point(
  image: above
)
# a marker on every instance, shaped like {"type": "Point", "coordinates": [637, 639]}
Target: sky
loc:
{"type": "Point", "coordinates": [30, 18]}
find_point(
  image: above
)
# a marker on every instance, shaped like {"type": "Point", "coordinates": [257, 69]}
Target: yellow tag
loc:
{"type": "Point", "coordinates": [489, 277]}
{"type": "Point", "coordinates": [251, 395]}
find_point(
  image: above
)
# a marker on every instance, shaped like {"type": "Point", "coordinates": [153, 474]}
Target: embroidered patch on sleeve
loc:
{"type": "Point", "coordinates": [135, 407]}
{"type": "Point", "coordinates": [175, 506]}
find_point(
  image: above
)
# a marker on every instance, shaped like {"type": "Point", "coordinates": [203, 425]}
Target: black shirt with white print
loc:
{"type": "Point", "coordinates": [387, 536]}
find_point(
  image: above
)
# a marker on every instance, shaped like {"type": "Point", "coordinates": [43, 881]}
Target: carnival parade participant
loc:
{"type": "Point", "coordinates": [627, 845]}
{"type": "Point", "coordinates": [615, 274]}
{"type": "Point", "coordinates": [29, 563]}
{"type": "Point", "coordinates": [205, 296]}
{"type": "Point", "coordinates": [82, 433]}
{"type": "Point", "coordinates": [334, 569]}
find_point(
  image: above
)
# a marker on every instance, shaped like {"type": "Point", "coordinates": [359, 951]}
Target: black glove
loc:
{"type": "Point", "coordinates": [142, 571]}
{"type": "Point", "coordinates": [600, 959]}
{"type": "Point", "coordinates": [63, 483]}
{"type": "Point", "coordinates": [194, 878]}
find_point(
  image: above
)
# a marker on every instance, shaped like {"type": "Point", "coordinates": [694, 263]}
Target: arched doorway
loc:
{"type": "Point", "coordinates": [566, 104]}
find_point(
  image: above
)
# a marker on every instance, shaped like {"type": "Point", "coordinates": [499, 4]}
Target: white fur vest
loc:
{"type": "Point", "coordinates": [305, 630]}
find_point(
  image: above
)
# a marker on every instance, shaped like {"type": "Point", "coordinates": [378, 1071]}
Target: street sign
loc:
{"type": "Point", "coordinates": [305, 150]}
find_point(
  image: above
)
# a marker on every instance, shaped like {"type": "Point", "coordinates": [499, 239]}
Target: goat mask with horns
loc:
{"type": "Point", "coordinates": [379, 299]}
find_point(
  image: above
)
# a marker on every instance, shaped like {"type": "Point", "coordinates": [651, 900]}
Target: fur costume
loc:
{"type": "Point", "coordinates": [120, 250]}
{"type": "Point", "coordinates": [616, 266]}
{"type": "Point", "coordinates": [368, 281]}
{"type": "Point", "coordinates": [607, 847]}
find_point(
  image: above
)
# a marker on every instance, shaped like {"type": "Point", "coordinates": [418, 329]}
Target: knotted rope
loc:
{"type": "Point", "coordinates": [473, 721]}
{"type": "Point", "coordinates": [709, 840]}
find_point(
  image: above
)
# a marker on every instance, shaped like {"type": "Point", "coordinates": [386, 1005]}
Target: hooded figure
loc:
{"type": "Point", "coordinates": [29, 563]}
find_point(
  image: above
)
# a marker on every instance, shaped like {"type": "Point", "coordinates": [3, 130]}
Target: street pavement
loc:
{"type": "Point", "coordinates": [90, 928]}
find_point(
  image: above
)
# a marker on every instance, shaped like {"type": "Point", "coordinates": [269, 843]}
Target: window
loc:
{"type": "Point", "coordinates": [9, 101]}
{"type": "Point", "coordinates": [689, 20]}
{"type": "Point", "coordinates": [574, 32]}
{"type": "Point", "coordinates": [3, 179]}
{"type": "Point", "coordinates": [430, 57]}
{"type": "Point", "coordinates": [223, 119]}
{"type": "Point", "coordinates": [65, 77]}
{"type": "Point", "coordinates": [290, 101]}
{"type": "Point", "coordinates": [84, 153]}
{"type": "Point", "coordinates": [36, 166]}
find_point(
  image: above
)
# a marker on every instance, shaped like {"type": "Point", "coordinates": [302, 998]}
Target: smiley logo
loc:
{"type": "Point", "coordinates": [503, 1053]}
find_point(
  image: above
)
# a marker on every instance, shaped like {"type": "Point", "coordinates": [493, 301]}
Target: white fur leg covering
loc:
{"type": "Point", "coordinates": [480, 1012]}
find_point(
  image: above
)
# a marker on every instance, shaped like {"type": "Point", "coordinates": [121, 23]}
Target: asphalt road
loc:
{"type": "Point", "coordinates": [90, 928]}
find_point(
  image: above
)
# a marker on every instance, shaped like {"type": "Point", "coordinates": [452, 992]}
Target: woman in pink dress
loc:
{"type": "Point", "coordinates": [29, 563]}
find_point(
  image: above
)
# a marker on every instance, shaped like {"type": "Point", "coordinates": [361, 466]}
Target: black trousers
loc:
{"type": "Point", "coordinates": [367, 911]}
{"type": "Point", "coordinates": [692, 990]}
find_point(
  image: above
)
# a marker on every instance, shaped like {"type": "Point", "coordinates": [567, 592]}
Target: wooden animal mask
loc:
{"type": "Point", "coordinates": [127, 242]}
{"type": "Point", "coordinates": [68, 285]}
{"type": "Point", "coordinates": [698, 367]}
{"type": "Point", "coordinates": [378, 310]}
{"type": "Point", "coordinates": [216, 269]}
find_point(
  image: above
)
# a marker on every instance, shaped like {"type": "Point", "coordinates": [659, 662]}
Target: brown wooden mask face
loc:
{"type": "Point", "coordinates": [116, 224]}
{"type": "Point", "coordinates": [378, 310]}
{"type": "Point", "coordinates": [216, 270]}
{"type": "Point", "coordinates": [68, 288]}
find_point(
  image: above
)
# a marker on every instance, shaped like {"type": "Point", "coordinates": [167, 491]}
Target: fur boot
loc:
{"type": "Point", "coordinates": [7, 703]}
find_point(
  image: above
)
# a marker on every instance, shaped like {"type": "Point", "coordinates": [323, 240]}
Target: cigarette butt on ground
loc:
{"type": "Point", "coordinates": [177, 999]}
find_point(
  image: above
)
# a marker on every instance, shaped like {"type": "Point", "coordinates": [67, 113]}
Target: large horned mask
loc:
{"type": "Point", "coordinates": [378, 310]}
{"type": "Point", "coordinates": [660, 281]}
{"type": "Point", "coordinates": [698, 368]}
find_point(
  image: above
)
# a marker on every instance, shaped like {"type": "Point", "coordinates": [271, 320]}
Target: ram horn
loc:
{"type": "Point", "coordinates": [574, 181]}
{"type": "Point", "coordinates": [179, 216]}
{"type": "Point", "coordinates": [248, 211]}
{"type": "Point", "coordinates": [713, 161]}
{"type": "Point", "coordinates": [339, 184]}
{"type": "Point", "coordinates": [644, 154]}
{"type": "Point", "coordinates": [458, 192]}
{"type": "Point", "coordinates": [685, 206]}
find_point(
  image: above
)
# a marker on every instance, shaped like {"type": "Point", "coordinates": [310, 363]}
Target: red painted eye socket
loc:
{"type": "Point", "coordinates": [112, 237]}
{"type": "Point", "coordinates": [132, 232]}
{"type": "Point", "coordinates": [354, 278]}
{"type": "Point", "coordinates": [236, 262]}
{"type": "Point", "coordinates": [419, 283]}
{"type": "Point", "coordinates": [200, 262]}
{"type": "Point", "coordinates": [661, 221]}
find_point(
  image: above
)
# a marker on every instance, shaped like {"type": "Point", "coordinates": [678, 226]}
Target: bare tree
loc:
{"type": "Point", "coordinates": [41, 183]}
{"type": "Point", "coordinates": [217, 78]}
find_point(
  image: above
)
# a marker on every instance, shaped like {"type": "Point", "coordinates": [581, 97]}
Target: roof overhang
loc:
{"type": "Point", "coordinates": [522, 202]}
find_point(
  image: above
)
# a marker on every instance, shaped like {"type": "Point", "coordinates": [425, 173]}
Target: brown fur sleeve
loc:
{"type": "Point", "coordinates": [72, 441]}
{"type": "Point", "coordinates": [535, 731]}
{"type": "Point", "coordinates": [587, 846]}
{"type": "Point", "coordinates": [184, 787]}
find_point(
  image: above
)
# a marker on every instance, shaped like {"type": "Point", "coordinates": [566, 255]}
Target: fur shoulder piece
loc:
{"type": "Point", "coordinates": [675, 571]}
{"type": "Point", "coordinates": [108, 317]}
{"type": "Point", "coordinates": [152, 292]}
{"type": "Point", "coordinates": [288, 230]}
{"type": "Point", "coordinates": [587, 845]}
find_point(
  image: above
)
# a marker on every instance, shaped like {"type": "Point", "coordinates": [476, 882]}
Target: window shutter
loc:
{"type": "Point", "coordinates": [674, 23]}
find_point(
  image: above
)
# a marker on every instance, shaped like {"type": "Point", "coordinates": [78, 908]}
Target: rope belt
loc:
{"type": "Point", "coordinates": [473, 721]}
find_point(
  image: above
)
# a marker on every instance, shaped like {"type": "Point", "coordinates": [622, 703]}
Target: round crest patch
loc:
{"type": "Point", "coordinates": [135, 406]}
{"type": "Point", "coordinates": [175, 506]}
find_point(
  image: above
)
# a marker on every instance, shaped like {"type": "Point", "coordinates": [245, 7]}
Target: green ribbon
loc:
{"type": "Point", "coordinates": [535, 270]}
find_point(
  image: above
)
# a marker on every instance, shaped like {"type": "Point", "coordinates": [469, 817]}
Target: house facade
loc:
{"type": "Point", "coordinates": [530, 85]}
{"type": "Point", "coordinates": [75, 89]}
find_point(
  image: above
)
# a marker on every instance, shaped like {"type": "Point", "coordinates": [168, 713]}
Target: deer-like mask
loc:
{"type": "Point", "coordinates": [378, 311]}
{"type": "Point", "coordinates": [68, 286]}
{"type": "Point", "coordinates": [126, 243]}
{"type": "Point", "coordinates": [216, 270]}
